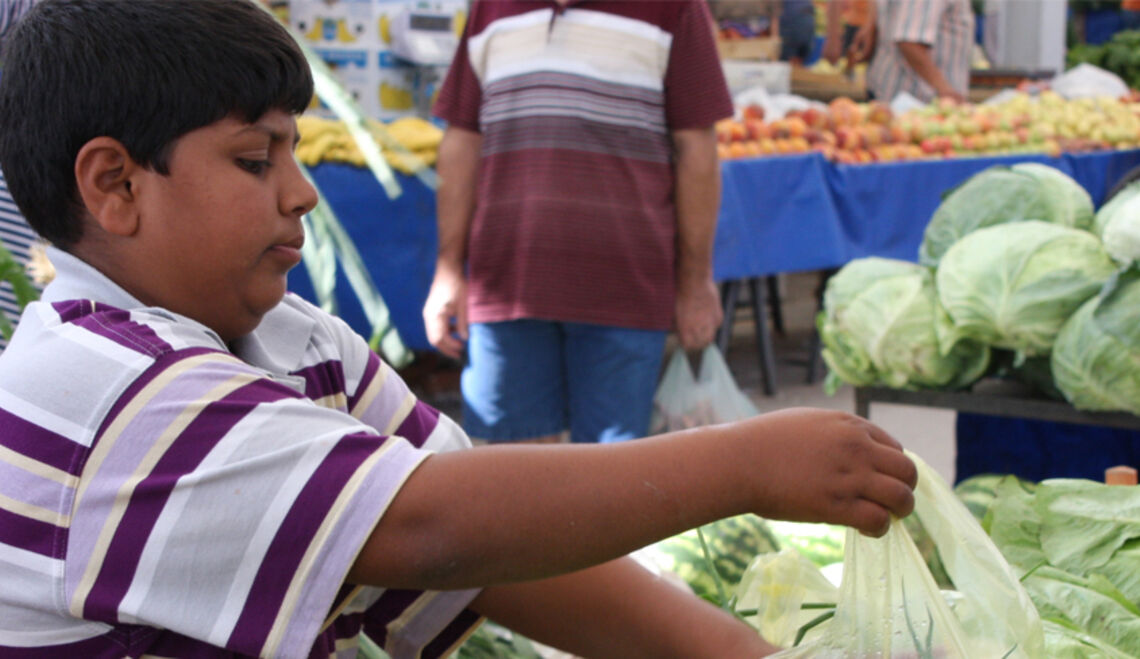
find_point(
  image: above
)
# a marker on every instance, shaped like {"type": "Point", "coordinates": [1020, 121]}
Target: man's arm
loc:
{"type": "Point", "coordinates": [628, 611]}
{"type": "Point", "coordinates": [445, 311]}
{"type": "Point", "coordinates": [833, 40]}
{"type": "Point", "coordinates": [918, 57]}
{"type": "Point", "coordinates": [862, 46]}
{"type": "Point", "coordinates": [698, 309]}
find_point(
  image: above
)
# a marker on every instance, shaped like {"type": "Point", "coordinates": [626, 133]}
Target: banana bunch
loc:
{"type": "Point", "coordinates": [328, 140]}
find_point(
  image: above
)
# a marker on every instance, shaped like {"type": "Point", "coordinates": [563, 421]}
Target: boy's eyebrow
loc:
{"type": "Point", "coordinates": [274, 135]}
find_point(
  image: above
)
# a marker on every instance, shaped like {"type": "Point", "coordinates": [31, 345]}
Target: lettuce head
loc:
{"type": "Point", "coordinates": [1014, 285]}
{"type": "Point", "coordinates": [1118, 224]}
{"type": "Point", "coordinates": [878, 328]}
{"type": "Point", "coordinates": [1026, 191]}
{"type": "Point", "coordinates": [1096, 358]}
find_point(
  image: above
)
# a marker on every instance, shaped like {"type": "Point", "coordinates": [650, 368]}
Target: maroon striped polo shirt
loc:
{"type": "Point", "coordinates": [574, 217]}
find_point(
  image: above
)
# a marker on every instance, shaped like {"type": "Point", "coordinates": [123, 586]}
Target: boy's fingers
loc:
{"type": "Point", "coordinates": [889, 493]}
{"type": "Point", "coordinates": [882, 436]}
{"type": "Point", "coordinates": [869, 518]}
{"type": "Point", "coordinates": [896, 465]}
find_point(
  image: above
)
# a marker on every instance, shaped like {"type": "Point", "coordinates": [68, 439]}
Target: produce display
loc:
{"type": "Point", "coordinates": [1014, 280]}
{"type": "Point", "coordinates": [408, 144]}
{"type": "Point", "coordinates": [848, 132]}
{"type": "Point", "coordinates": [1076, 545]}
{"type": "Point", "coordinates": [1118, 55]}
{"type": "Point", "coordinates": [879, 327]}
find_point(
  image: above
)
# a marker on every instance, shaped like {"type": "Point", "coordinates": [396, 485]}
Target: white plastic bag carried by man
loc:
{"type": "Point", "coordinates": [684, 400]}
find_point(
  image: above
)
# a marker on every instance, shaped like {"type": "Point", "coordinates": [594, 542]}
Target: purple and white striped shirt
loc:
{"type": "Point", "coordinates": [947, 26]}
{"type": "Point", "coordinates": [163, 495]}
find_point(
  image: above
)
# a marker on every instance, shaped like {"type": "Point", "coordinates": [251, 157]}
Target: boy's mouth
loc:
{"type": "Point", "coordinates": [290, 250]}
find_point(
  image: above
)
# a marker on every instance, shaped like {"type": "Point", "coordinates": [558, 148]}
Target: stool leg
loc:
{"type": "Point", "coordinates": [763, 336]}
{"type": "Point", "coordinates": [730, 298]}
{"type": "Point", "coordinates": [773, 283]}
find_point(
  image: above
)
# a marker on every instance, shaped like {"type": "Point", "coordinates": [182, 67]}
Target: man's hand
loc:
{"type": "Point", "coordinates": [445, 312]}
{"type": "Point", "coordinates": [699, 313]}
{"type": "Point", "coordinates": [862, 46]}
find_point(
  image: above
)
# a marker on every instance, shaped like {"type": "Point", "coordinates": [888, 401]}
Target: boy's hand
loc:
{"type": "Point", "coordinates": [834, 467]}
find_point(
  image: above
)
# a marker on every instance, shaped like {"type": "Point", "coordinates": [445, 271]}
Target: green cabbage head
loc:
{"type": "Point", "coordinates": [1013, 285]}
{"type": "Point", "coordinates": [878, 328]}
{"type": "Point", "coordinates": [1096, 358]}
{"type": "Point", "coordinates": [1025, 191]}
{"type": "Point", "coordinates": [1118, 225]}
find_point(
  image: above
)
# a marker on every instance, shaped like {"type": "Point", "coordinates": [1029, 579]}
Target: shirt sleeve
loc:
{"type": "Point", "coordinates": [461, 94]}
{"type": "Point", "coordinates": [225, 506]}
{"type": "Point", "coordinates": [696, 94]}
{"type": "Point", "coordinates": [915, 21]}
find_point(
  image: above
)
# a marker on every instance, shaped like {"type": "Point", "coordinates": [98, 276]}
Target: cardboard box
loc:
{"type": "Point", "coordinates": [763, 48]}
{"type": "Point", "coordinates": [773, 77]}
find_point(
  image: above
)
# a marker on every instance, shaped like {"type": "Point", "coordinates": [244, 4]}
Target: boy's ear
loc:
{"type": "Point", "coordinates": [103, 171]}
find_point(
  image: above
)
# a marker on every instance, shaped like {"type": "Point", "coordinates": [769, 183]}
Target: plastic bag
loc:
{"type": "Point", "coordinates": [687, 401]}
{"type": "Point", "coordinates": [1088, 81]}
{"type": "Point", "coordinates": [888, 604]}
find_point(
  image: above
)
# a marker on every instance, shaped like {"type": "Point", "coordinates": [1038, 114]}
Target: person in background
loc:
{"type": "Point", "coordinates": [577, 206]}
{"type": "Point", "coordinates": [797, 31]}
{"type": "Point", "coordinates": [16, 236]}
{"type": "Point", "coordinates": [196, 463]}
{"type": "Point", "coordinates": [922, 47]}
{"type": "Point", "coordinates": [844, 19]}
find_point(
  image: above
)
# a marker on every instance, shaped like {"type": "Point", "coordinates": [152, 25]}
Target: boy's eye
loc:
{"type": "Point", "coordinates": [253, 166]}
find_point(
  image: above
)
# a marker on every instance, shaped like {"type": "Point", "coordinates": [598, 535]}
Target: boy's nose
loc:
{"type": "Point", "coordinates": [300, 196]}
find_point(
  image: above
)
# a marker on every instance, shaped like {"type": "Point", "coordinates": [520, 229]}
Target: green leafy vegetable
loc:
{"type": "Point", "coordinates": [878, 326]}
{"type": "Point", "coordinates": [1118, 224]}
{"type": "Point", "coordinates": [1077, 544]}
{"type": "Point", "coordinates": [1096, 357]}
{"type": "Point", "coordinates": [1026, 191]}
{"type": "Point", "coordinates": [1014, 285]}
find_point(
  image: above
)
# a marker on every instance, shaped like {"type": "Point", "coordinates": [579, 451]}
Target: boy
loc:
{"type": "Point", "coordinates": [194, 463]}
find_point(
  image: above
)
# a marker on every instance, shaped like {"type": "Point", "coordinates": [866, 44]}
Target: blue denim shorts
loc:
{"type": "Point", "coordinates": [531, 378]}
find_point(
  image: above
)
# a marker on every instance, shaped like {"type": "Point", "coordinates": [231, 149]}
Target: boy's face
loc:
{"type": "Point", "coordinates": [222, 230]}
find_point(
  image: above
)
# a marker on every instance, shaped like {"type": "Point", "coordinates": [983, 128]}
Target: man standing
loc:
{"type": "Point", "coordinates": [577, 207]}
{"type": "Point", "coordinates": [922, 47]}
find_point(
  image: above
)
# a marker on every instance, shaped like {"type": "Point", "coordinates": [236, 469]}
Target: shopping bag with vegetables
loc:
{"type": "Point", "coordinates": [687, 400]}
{"type": "Point", "coordinates": [888, 605]}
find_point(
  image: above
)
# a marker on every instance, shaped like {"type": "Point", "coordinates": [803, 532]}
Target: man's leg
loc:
{"type": "Point", "coordinates": [612, 374]}
{"type": "Point", "coordinates": [513, 382]}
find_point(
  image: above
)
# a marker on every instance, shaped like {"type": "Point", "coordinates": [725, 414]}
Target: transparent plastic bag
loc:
{"type": "Point", "coordinates": [888, 604]}
{"type": "Point", "coordinates": [684, 400]}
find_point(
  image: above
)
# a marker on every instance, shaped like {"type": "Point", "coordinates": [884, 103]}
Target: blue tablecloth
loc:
{"type": "Point", "coordinates": [796, 213]}
{"type": "Point", "coordinates": [397, 240]}
{"type": "Point", "coordinates": [778, 214]}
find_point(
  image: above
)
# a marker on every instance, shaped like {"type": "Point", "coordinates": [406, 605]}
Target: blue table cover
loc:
{"type": "Point", "coordinates": [778, 214]}
{"type": "Point", "coordinates": [796, 213]}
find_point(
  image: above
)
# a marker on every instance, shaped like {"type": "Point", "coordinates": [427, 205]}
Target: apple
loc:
{"type": "Point", "coordinates": [814, 118]}
{"type": "Point", "coordinates": [879, 113]}
{"type": "Point", "coordinates": [757, 129]}
{"type": "Point", "coordinates": [752, 111]}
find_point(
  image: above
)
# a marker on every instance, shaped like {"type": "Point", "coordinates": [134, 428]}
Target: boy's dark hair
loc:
{"type": "Point", "coordinates": [144, 72]}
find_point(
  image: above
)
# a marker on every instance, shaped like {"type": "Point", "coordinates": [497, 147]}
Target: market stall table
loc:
{"type": "Point", "coordinates": [778, 214]}
{"type": "Point", "coordinates": [803, 213]}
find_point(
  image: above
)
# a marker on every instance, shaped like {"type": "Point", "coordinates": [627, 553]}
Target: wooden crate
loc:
{"type": "Point", "coordinates": [762, 48]}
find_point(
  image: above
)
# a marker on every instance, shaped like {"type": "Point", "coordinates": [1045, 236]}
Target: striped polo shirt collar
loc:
{"type": "Point", "coordinates": [277, 346]}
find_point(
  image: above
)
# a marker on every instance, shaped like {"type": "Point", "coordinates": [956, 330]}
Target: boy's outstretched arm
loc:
{"type": "Point", "coordinates": [503, 514]}
{"type": "Point", "coordinates": [620, 609]}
